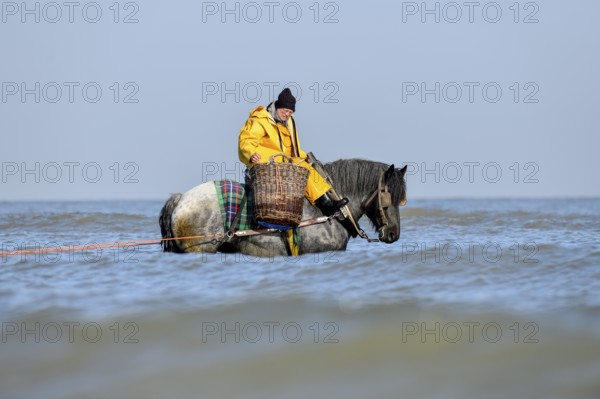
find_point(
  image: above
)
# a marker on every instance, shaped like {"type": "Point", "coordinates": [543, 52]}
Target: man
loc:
{"type": "Point", "coordinates": [272, 130]}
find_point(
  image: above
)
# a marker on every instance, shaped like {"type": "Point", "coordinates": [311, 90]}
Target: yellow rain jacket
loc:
{"type": "Point", "coordinates": [261, 134]}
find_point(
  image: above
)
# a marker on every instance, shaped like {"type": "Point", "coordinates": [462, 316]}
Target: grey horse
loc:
{"type": "Point", "coordinates": [196, 213]}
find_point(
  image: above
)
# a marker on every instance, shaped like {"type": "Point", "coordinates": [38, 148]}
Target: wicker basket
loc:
{"type": "Point", "coordinates": [279, 191]}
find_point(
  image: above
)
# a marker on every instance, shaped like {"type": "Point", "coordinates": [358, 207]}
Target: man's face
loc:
{"type": "Point", "coordinates": [284, 113]}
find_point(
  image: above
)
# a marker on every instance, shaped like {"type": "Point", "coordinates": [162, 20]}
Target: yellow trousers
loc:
{"type": "Point", "coordinates": [316, 185]}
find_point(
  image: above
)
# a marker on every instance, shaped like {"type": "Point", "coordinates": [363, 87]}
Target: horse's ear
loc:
{"type": "Point", "coordinates": [403, 170]}
{"type": "Point", "coordinates": [389, 173]}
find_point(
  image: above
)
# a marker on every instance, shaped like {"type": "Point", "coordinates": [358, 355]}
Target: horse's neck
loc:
{"type": "Point", "coordinates": [354, 203]}
{"type": "Point", "coordinates": [355, 199]}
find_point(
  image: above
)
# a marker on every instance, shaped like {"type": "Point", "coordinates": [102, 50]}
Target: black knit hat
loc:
{"type": "Point", "coordinates": [286, 100]}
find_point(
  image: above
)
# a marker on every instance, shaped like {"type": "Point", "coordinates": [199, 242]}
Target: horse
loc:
{"type": "Point", "coordinates": [196, 214]}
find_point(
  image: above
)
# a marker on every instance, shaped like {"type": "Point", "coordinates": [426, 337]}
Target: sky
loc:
{"type": "Point", "coordinates": [137, 100]}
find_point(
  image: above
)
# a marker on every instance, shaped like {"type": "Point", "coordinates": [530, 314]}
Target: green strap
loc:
{"type": "Point", "coordinates": [236, 220]}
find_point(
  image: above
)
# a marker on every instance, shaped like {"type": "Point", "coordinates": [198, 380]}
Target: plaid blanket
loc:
{"type": "Point", "coordinates": [230, 195]}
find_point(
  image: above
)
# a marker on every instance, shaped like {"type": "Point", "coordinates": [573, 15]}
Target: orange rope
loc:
{"type": "Point", "coordinates": [95, 246]}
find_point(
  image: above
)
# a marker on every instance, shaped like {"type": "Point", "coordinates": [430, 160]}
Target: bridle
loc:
{"type": "Point", "coordinates": [384, 201]}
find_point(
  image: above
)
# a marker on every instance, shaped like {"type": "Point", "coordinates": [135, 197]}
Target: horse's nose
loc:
{"type": "Point", "coordinates": [391, 236]}
{"type": "Point", "coordinates": [388, 235]}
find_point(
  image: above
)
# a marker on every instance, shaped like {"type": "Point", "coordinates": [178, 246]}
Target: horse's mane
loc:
{"type": "Point", "coordinates": [359, 177]}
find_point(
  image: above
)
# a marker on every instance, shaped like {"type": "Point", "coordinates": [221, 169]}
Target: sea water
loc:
{"type": "Point", "coordinates": [478, 299]}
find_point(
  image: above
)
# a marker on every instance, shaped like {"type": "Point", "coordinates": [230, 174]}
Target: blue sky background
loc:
{"type": "Point", "coordinates": [178, 81]}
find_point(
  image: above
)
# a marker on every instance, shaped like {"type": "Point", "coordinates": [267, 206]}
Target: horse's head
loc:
{"type": "Point", "coordinates": [382, 206]}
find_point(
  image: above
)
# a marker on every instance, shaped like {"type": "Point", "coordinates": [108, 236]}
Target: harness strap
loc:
{"type": "Point", "coordinates": [377, 193]}
{"type": "Point", "coordinates": [236, 220]}
{"type": "Point", "coordinates": [304, 223]}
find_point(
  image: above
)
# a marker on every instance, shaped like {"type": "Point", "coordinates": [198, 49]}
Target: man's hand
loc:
{"type": "Point", "coordinates": [255, 158]}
